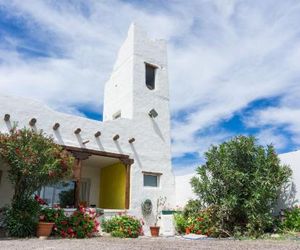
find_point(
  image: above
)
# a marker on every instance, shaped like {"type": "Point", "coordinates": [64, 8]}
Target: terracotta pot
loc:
{"type": "Point", "coordinates": [187, 230]}
{"type": "Point", "coordinates": [154, 231]}
{"type": "Point", "coordinates": [44, 229]}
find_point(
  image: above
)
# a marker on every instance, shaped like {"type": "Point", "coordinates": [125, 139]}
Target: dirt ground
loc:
{"type": "Point", "coordinates": [147, 243]}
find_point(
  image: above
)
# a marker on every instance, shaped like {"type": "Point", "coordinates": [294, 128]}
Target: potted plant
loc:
{"type": "Point", "coordinates": [46, 222]}
{"type": "Point", "coordinates": [159, 204]}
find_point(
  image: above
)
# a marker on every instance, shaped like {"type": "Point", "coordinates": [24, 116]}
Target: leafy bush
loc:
{"type": "Point", "coordinates": [81, 224]}
{"type": "Point", "coordinates": [34, 161]}
{"type": "Point", "coordinates": [180, 223]}
{"type": "Point", "coordinates": [291, 219]}
{"type": "Point", "coordinates": [196, 221]}
{"type": "Point", "coordinates": [192, 208]}
{"type": "Point", "coordinates": [22, 218]}
{"type": "Point", "coordinates": [51, 214]}
{"type": "Point", "coordinates": [242, 181]}
{"type": "Point", "coordinates": [123, 226]}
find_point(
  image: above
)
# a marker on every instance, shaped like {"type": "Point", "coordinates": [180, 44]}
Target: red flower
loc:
{"type": "Point", "coordinates": [199, 232]}
{"type": "Point", "coordinates": [64, 222]}
{"type": "Point", "coordinates": [40, 200]}
{"type": "Point", "coordinates": [63, 233]}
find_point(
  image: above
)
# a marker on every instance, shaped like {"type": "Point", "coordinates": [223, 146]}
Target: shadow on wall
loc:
{"type": "Point", "coordinates": [118, 146]}
{"type": "Point", "coordinates": [157, 129]}
{"type": "Point", "coordinates": [9, 125]}
{"type": "Point", "coordinates": [79, 139]}
{"type": "Point", "coordinates": [99, 143]}
{"type": "Point", "coordinates": [287, 197]}
{"type": "Point", "coordinates": [136, 156]}
{"type": "Point", "coordinates": [58, 137]}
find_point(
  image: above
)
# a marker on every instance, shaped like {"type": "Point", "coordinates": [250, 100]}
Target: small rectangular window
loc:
{"type": "Point", "coordinates": [151, 179]}
{"type": "Point", "coordinates": [150, 76]}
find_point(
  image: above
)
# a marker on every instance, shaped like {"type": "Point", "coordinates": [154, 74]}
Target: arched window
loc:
{"type": "Point", "coordinates": [150, 76]}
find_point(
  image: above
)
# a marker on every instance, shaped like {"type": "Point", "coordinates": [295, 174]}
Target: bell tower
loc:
{"type": "Point", "coordinates": [138, 88]}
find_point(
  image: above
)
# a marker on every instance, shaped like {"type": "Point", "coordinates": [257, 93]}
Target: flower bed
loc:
{"type": "Point", "coordinates": [123, 226]}
{"type": "Point", "coordinates": [81, 224]}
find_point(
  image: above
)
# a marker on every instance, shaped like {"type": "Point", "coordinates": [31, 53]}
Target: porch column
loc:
{"type": "Point", "coordinates": [127, 163]}
{"type": "Point", "coordinates": [127, 188]}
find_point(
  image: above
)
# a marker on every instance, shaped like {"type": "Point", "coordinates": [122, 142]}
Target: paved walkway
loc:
{"type": "Point", "coordinates": [146, 243]}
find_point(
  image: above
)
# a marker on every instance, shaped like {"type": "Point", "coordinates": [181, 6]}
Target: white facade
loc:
{"type": "Point", "coordinates": [125, 92]}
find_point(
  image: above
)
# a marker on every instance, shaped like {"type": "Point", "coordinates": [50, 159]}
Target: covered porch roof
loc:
{"type": "Point", "coordinates": [94, 157]}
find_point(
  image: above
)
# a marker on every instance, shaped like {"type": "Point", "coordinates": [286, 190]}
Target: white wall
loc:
{"type": "Point", "coordinates": [183, 189]}
{"type": "Point", "coordinates": [293, 160]}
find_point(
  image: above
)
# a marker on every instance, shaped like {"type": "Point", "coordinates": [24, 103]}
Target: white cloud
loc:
{"type": "Point", "coordinates": [222, 56]}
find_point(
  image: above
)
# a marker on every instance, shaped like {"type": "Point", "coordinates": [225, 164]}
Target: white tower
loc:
{"type": "Point", "coordinates": [139, 82]}
{"type": "Point", "coordinates": [136, 97]}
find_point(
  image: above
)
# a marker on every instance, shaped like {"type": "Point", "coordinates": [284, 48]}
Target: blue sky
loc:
{"type": "Point", "coordinates": [234, 65]}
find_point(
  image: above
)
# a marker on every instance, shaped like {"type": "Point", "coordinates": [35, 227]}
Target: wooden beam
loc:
{"type": "Point", "coordinates": [81, 155]}
{"type": "Point", "coordinates": [56, 126]}
{"type": "Point", "coordinates": [6, 117]}
{"type": "Point", "coordinates": [131, 140]}
{"type": "Point", "coordinates": [116, 137]}
{"type": "Point", "coordinates": [77, 131]}
{"type": "Point", "coordinates": [97, 134]}
{"type": "Point", "coordinates": [127, 187]}
{"type": "Point", "coordinates": [32, 122]}
{"type": "Point", "coordinates": [97, 152]}
{"type": "Point", "coordinates": [151, 173]}
{"type": "Point", "coordinates": [86, 142]}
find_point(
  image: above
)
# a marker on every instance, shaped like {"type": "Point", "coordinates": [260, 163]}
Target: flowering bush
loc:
{"type": "Point", "coordinates": [123, 226]}
{"type": "Point", "coordinates": [34, 160]}
{"type": "Point", "coordinates": [81, 224]}
{"type": "Point", "coordinates": [197, 223]}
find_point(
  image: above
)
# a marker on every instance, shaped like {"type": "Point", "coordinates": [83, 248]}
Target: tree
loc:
{"type": "Point", "coordinates": [241, 180]}
{"type": "Point", "coordinates": [34, 161]}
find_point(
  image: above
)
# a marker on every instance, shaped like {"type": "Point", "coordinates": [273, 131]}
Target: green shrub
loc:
{"type": "Point", "coordinates": [242, 181]}
{"type": "Point", "coordinates": [291, 219]}
{"type": "Point", "coordinates": [22, 218]}
{"type": "Point", "coordinates": [123, 226]}
{"type": "Point", "coordinates": [192, 208]}
{"type": "Point", "coordinates": [180, 223]}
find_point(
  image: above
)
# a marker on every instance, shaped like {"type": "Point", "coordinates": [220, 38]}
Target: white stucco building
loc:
{"type": "Point", "coordinates": [126, 158]}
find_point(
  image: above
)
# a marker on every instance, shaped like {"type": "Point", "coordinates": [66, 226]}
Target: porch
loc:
{"type": "Point", "coordinates": [100, 179]}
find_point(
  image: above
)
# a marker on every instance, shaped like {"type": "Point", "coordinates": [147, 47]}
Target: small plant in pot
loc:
{"type": "Point", "coordinates": [47, 218]}
{"type": "Point", "coordinates": [159, 204]}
